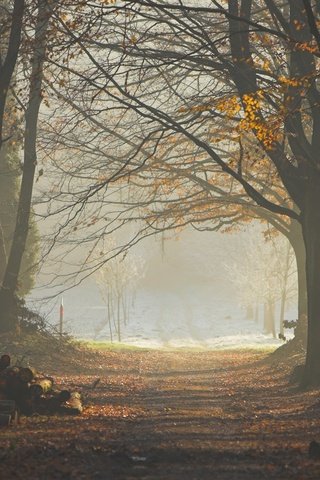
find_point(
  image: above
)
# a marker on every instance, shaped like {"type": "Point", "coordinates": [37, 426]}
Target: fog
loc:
{"type": "Point", "coordinates": [190, 289]}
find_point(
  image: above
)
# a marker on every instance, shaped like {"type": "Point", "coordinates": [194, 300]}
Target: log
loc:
{"type": "Point", "coordinates": [11, 371]}
{"type": "Point", "coordinates": [73, 405]}
{"type": "Point", "coordinates": [27, 374]}
{"type": "Point", "coordinates": [5, 419]}
{"type": "Point", "coordinates": [35, 390]}
{"type": "Point", "coordinates": [21, 390]}
{"type": "Point", "coordinates": [26, 405]}
{"type": "Point", "coordinates": [63, 396]}
{"type": "Point", "coordinates": [3, 384]}
{"type": "Point", "coordinates": [43, 385]}
{"type": "Point", "coordinates": [14, 383]}
{"type": "Point", "coordinates": [52, 403]}
{"type": "Point", "coordinates": [7, 406]}
{"type": "Point", "coordinates": [75, 402]}
{"type": "Point", "coordinates": [4, 362]}
{"type": "Point", "coordinates": [16, 389]}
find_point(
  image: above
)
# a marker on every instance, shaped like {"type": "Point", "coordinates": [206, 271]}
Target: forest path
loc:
{"type": "Point", "coordinates": [172, 415]}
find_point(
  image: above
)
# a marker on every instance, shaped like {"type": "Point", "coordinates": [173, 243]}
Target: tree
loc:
{"type": "Point", "coordinates": [229, 77]}
{"type": "Point", "coordinates": [9, 287]}
{"type": "Point", "coordinates": [11, 29]}
{"type": "Point", "coordinates": [265, 274]}
{"type": "Point", "coordinates": [9, 189]}
{"type": "Point", "coordinates": [117, 280]}
{"type": "Point", "coordinates": [28, 38]}
{"type": "Point", "coordinates": [173, 190]}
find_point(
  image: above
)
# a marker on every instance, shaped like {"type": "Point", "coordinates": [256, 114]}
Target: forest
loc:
{"type": "Point", "coordinates": [159, 186]}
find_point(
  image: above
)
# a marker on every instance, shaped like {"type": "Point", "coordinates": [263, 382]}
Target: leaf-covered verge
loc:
{"type": "Point", "coordinates": [167, 415]}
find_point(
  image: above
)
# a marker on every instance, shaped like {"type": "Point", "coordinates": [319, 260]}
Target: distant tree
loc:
{"type": "Point", "coordinates": [10, 175]}
{"type": "Point", "coordinates": [117, 280]}
{"type": "Point", "coordinates": [265, 273]}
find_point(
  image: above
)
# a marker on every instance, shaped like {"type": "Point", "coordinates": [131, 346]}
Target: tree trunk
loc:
{"type": "Point", "coordinates": [282, 310]}
{"type": "Point", "coordinates": [124, 308]}
{"type": "Point", "coordinates": [109, 316]}
{"type": "Point", "coordinates": [284, 289]}
{"type": "Point", "coordinates": [296, 240]}
{"type": "Point", "coordinates": [10, 58]}
{"type": "Point", "coordinates": [272, 319]}
{"type": "Point", "coordinates": [268, 322]}
{"type": "Point", "coordinates": [118, 318]}
{"type": "Point", "coordinates": [3, 251]}
{"type": "Point", "coordinates": [8, 314]}
{"type": "Point", "coordinates": [249, 312]}
{"type": "Point", "coordinates": [265, 317]}
{"type": "Point", "coordinates": [311, 234]}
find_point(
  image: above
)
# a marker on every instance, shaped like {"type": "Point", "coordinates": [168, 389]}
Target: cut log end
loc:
{"type": "Point", "coordinates": [5, 419]}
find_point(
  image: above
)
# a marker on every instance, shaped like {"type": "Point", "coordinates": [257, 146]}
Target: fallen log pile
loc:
{"type": "Point", "coordinates": [24, 391]}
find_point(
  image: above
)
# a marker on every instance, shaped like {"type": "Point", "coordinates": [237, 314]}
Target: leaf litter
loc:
{"type": "Point", "coordinates": [170, 415]}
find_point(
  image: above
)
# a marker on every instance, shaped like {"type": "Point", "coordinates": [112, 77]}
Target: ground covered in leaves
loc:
{"type": "Point", "coordinates": [167, 415]}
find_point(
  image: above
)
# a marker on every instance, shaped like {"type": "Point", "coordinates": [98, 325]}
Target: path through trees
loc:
{"type": "Point", "coordinates": [172, 415]}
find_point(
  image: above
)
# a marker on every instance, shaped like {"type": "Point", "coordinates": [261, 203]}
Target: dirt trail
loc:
{"type": "Point", "coordinates": [170, 415]}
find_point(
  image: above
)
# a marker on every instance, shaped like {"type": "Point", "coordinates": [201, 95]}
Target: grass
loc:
{"type": "Point", "coordinates": [108, 346]}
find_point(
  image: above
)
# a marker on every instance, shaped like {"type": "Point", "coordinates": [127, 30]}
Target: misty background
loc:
{"type": "Point", "coordinates": [190, 289]}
